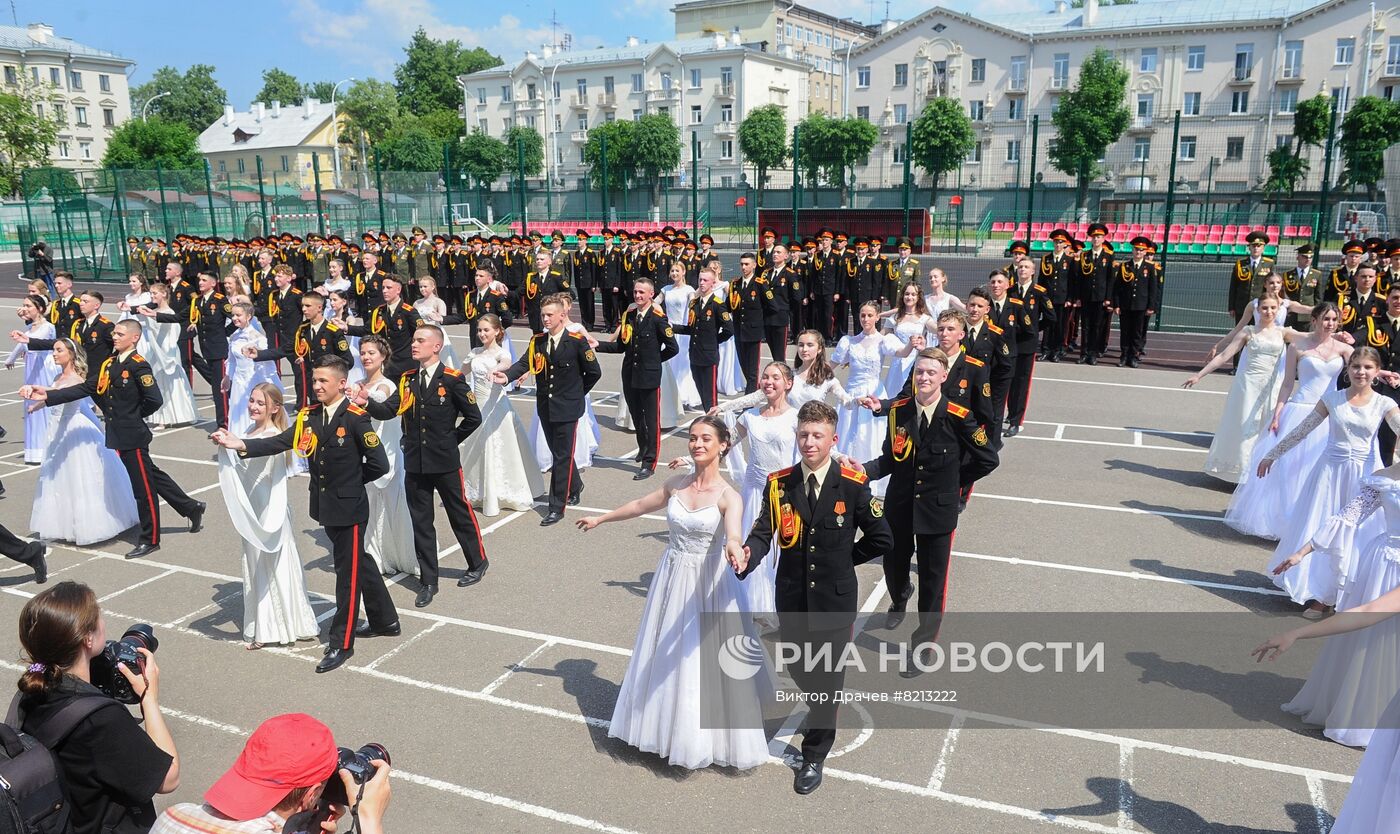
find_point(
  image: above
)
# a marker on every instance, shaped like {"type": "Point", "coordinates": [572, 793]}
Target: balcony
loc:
{"type": "Point", "coordinates": [1242, 76]}
{"type": "Point", "coordinates": [529, 105]}
{"type": "Point", "coordinates": [1016, 84]}
{"type": "Point", "coordinates": [1290, 74]}
{"type": "Point", "coordinates": [579, 136]}
{"type": "Point", "coordinates": [724, 90]}
{"type": "Point", "coordinates": [664, 95]}
{"type": "Point", "coordinates": [578, 102]}
{"type": "Point", "coordinates": [1141, 124]}
{"type": "Point", "coordinates": [607, 101]}
{"type": "Point", "coordinates": [1059, 83]}
{"type": "Point", "coordinates": [724, 129]}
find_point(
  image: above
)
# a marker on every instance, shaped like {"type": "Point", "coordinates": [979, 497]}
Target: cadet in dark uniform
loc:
{"type": "Point", "coordinates": [395, 321]}
{"type": "Point", "coordinates": [1247, 277]}
{"type": "Point", "coordinates": [825, 278]}
{"type": "Point", "coordinates": [565, 371]}
{"type": "Point", "coordinates": [343, 454]}
{"type": "Point", "coordinates": [208, 319]}
{"type": "Point", "coordinates": [785, 284]}
{"type": "Point", "coordinates": [933, 450]}
{"type": "Point", "coordinates": [124, 390]}
{"type": "Point", "coordinates": [66, 308]}
{"type": "Point", "coordinates": [610, 278]}
{"type": "Point", "coordinates": [646, 342]}
{"type": "Point", "coordinates": [1303, 284]}
{"type": "Point", "coordinates": [708, 323]}
{"type": "Point", "coordinates": [1136, 295]}
{"type": "Point", "coordinates": [313, 338]}
{"type": "Point", "coordinates": [438, 411]}
{"type": "Point", "coordinates": [767, 239]}
{"type": "Point", "coordinates": [868, 275]}
{"type": "Point", "coordinates": [369, 284]}
{"type": "Point", "coordinates": [1035, 305]}
{"type": "Point", "coordinates": [182, 296]}
{"type": "Point", "coordinates": [585, 264]}
{"type": "Point", "coordinates": [484, 299]}
{"type": "Point", "coordinates": [1098, 269]}
{"type": "Point", "coordinates": [1342, 279]}
{"type": "Point", "coordinates": [811, 512]}
{"type": "Point", "coordinates": [542, 282]}
{"type": "Point", "coordinates": [92, 330]}
{"type": "Point", "coordinates": [1389, 276]}
{"type": "Point", "coordinates": [1058, 270]}
{"type": "Point", "coordinates": [750, 300]}
{"type": "Point", "coordinates": [283, 303]}
{"type": "Point", "coordinates": [988, 342]}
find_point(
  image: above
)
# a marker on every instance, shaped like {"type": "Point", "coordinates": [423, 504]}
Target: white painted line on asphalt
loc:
{"type": "Point", "coordinates": [1125, 574]}
{"type": "Point", "coordinates": [1039, 378]}
{"type": "Point", "coordinates": [1125, 787]}
{"type": "Point", "coordinates": [1139, 445]}
{"type": "Point", "coordinates": [1137, 439]}
{"type": "Point", "coordinates": [1103, 507]}
{"type": "Point", "coordinates": [515, 667]}
{"type": "Point", "coordinates": [195, 613]}
{"type": "Point", "coordinates": [490, 528]}
{"type": "Point", "coordinates": [374, 664]}
{"type": "Point", "coordinates": [1319, 803]}
{"type": "Point", "coordinates": [145, 581]}
{"type": "Point", "coordinates": [950, 743]}
{"type": "Point", "coordinates": [1122, 428]}
{"type": "Point", "coordinates": [186, 460]}
{"type": "Point", "coordinates": [1059, 430]}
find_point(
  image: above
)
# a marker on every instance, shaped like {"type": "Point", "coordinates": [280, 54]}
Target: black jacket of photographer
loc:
{"type": "Point", "coordinates": [111, 769]}
{"type": "Point", "coordinates": [435, 418]}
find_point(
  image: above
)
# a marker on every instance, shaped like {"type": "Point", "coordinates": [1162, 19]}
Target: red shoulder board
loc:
{"type": "Point", "coordinates": [992, 327]}
{"type": "Point", "coordinates": [451, 371]}
{"type": "Point", "coordinates": [957, 410]}
{"type": "Point", "coordinates": [858, 477]}
{"type": "Point", "coordinates": [218, 294]}
{"type": "Point", "coordinates": [974, 361]}
{"type": "Point", "coordinates": [782, 473]}
{"type": "Point", "coordinates": [573, 333]}
{"type": "Point", "coordinates": [355, 409]}
{"type": "Point", "coordinates": [136, 357]}
{"type": "Point", "coordinates": [899, 402]}
{"type": "Point", "coordinates": [104, 319]}
{"type": "Point", "coordinates": [1039, 287]}
{"type": "Point", "coordinates": [1015, 300]}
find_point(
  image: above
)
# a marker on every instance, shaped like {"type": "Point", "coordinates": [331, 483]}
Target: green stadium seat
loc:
{"type": "Point", "coordinates": [1239, 250]}
{"type": "Point", "coordinates": [1197, 249]}
{"type": "Point", "coordinates": [1212, 249]}
{"type": "Point", "coordinates": [1271, 251]}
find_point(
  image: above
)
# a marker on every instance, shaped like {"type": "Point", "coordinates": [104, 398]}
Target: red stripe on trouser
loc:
{"type": "Point", "coordinates": [150, 499]}
{"type": "Point", "coordinates": [569, 484]}
{"type": "Point", "coordinates": [354, 585]}
{"type": "Point", "coordinates": [480, 546]}
{"type": "Point", "coordinates": [657, 455]}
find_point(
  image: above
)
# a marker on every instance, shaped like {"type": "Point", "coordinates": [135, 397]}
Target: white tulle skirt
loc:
{"type": "Point", "coordinates": [585, 441]}
{"type": "Point", "coordinates": [84, 495]}
{"type": "Point", "coordinates": [729, 377]}
{"type": "Point", "coordinates": [496, 460]}
{"type": "Point", "coordinates": [1372, 805]}
{"type": "Point", "coordinates": [1261, 506]}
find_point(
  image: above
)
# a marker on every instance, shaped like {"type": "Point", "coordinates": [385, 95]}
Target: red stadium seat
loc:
{"type": "Point", "coordinates": [1290, 231]}
{"type": "Point", "coordinates": [1305, 231]}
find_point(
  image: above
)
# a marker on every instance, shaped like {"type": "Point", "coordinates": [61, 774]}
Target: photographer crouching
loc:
{"type": "Point", "coordinates": [71, 700]}
{"type": "Point", "coordinates": [290, 778]}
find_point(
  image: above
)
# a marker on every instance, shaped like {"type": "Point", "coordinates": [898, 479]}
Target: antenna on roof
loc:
{"type": "Point", "coordinates": [14, 14]}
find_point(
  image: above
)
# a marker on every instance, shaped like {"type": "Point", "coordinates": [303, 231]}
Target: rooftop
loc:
{"type": "Point", "coordinates": [263, 127]}
{"type": "Point", "coordinates": [633, 51]}
{"type": "Point", "coordinates": [40, 36]}
{"type": "Point", "coordinates": [1149, 13]}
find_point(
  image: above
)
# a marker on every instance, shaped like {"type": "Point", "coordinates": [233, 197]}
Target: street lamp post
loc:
{"type": "Point", "coordinates": [335, 129]}
{"type": "Point", "coordinates": [147, 106]}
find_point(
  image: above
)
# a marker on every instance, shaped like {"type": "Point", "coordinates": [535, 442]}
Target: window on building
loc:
{"type": "Point", "coordinates": [694, 79]}
{"type": "Point", "coordinates": [1244, 60]}
{"type": "Point", "coordinates": [1283, 140]}
{"type": "Point", "coordinates": [863, 113]}
{"type": "Point", "coordinates": [223, 167]}
{"type": "Point", "coordinates": [555, 90]}
{"type": "Point", "coordinates": [609, 87]}
{"type": "Point", "coordinates": [1013, 150]}
{"type": "Point", "coordinates": [1288, 100]}
{"type": "Point", "coordinates": [1392, 56]}
{"type": "Point", "coordinates": [80, 115]}
{"type": "Point", "coordinates": [977, 110]}
{"type": "Point", "coordinates": [480, 95]}
{"type": "Point", "coordinates": [559, 155]}
{"type": "Point", "coordinates": [286, 163]}
{"type": "Point", "coordinates": [975, 155]}
{"type": "Point", "coordinates": [483, 125]}
{"type": "Point", "coordinates": [242, 166]}
{"type": "Point", "coordinates": [1343, 97]}
{"type": "Point", "coordinates": [1145, 105]}
{"type": "Point", "coordinates": [505, 93]}
{"type": "Point", "coordinates": [530, 122]}
{"type": "Point", "coordinates": [1186, 149]}
{"type": "Point", "coordinates": [583, 121]}
{"type": "Point", "coordinates": [1060, 77]}
{"type": "Point", "coordinates": [901, 113]}
{"type": "Point", "coordinates": [1016, 108]}
{"type": "Point", "coordinates": [726, 78]}
{"type": "Point", "coordinates": [979, 70]}
{"type": "Point", "coordinates": [1293, 59]}
{"type": "Point", "coordinates": [39, 110]}
{"type": "Point", "coordinates": [1142, 148]}
{"type": "Point", "coordinates": [531, 92]}
{"type": "Point", "coordinates": [1147, 60]}
{"type": "Point", "coordinates": [899, 153]}
{"type": "Point", "coordinates": [1018, 72]}
{"type": "Point", "coordinates": [558, 122]}
{"type": "Point", "coordinates": [726, 149]}
{"type": "Point", "coordinates": [1346, 48]}
{"type": "Point", "coordinates": [11, 76]}
{"type": "Point", "coordinates": [55, 76]}
{"type": "Point", "coordinates": [582, 85]}
{"type": "Point", "coordinates": [85, 150]}
{"type": "Point", "coordinates": [1234, 147]}
{"type": "Point", "coordinates": [75, 78]}
{"type": "Point", "coordinates": [636, 115]}
{"type": "Point", "coordinates": [34, 73]}
{"type": "Point", "coordinates": [609, 117]}
{"type": "Point", "coordinates": [696, 116]}
{"type": "Point", "coordinates": [507, 124]}
{"type": "Point", "coordinates": [63, 150]}
{"type": "Point", "coordinates": [726, 113]}
{"type": "Point", "coordinates": [104, 83]}
{"type": "Point", "coordinates": [862, 76]}
{"type": "Point", "coordinates": [60, 114]}
{"type": "Point", "coordinates": [726, 181]}
{"type": "Point", "coordinates": [666, 81]}
{"type": "Point", "coordinates": [901, 75]}
{"type": "Point", "coordinates": [1195, 58]}
{"type": "Point", "coordinates": [1239, 101]}
{"type": "Point", "coordinates": [637, 83]}
{"type": "Point", "coordinates": [1191, 104]}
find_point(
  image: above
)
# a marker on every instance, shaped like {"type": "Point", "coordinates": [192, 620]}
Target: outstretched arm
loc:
{"type": "Point", "coordinates": [1236, 343]}
{"type": "Point", "coordinates": [1245, 318]}
{"type": "Point", "coordinates": [1312, 421]}
{"type": "Point", "coordinates": [1362, 616]}
{"type": "Point", "coordinates": [650, 502]}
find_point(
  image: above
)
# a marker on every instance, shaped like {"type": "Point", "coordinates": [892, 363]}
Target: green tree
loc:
{"type": "Point", "coordinates": [446, 125]}
{"type": "Point", "coordinates": [1371, 125]}
{"type": "Point", "coordinates": [763, 142]}
{"type": "Point", "coordinates": [620, 134]}
{"type": "Point", "coordinates": [1090, 118]}
{"type": "Point", "coordinates": [533, 143]}
{"type": "Point", "coordinates": [829, 148]}
{"type": "Point", "coordinates": [195, 99]}
{"type": "Point", "coordinates": [48, 180]}
{"type": "Point", "coordinates": [942, 138]}
{"type": "Point", "coordinates": [483, 157]}
{"type": "Point", "coordinates": [1286, 170]}
{"type": "Point", "coordinates": [410, 148]}
{"type": "Point", "coordinates": [279, 85]}
{"type": "Point", "coordinates": [139, 146]}
{"type": "Point", "coordinates": [427, 78]}
{"type": "Point", "coordinates": [319, 90]}
{"type": "Point", "coordinates": [25, 136]}
{"type": "Point", "coordinates": [656, 149]}
{"type": "Point", "coordinates": [371, 107]}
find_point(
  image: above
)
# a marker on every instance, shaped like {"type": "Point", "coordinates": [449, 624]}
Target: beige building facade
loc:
{"type": "Point", "coordinates": [293, 142]}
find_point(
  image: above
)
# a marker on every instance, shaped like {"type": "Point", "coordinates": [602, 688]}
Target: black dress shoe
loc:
{"type": "Point", "coordinates": [1083, 359]}
{"type": "Point", "coordinates": [334, 659]}
{"type": "Point", "coordinates": [643, 474]}
{"type": "Point", "coordinates": [1133, 362]}
{"type": "Point", "coordinates": [38, 562]}
{"type": "Point", "coordinates": [808, 778]}
{"type": "Point", "coordinates": [1055, 357]}
{"type": "Point", "coordinates": [911, 669]}
{"type": "Point", "coordinates": [142, 550]}
{"type": "Point", "coordinates": [1093, 359]}
{"type": "Point", "coordinates": [1011, 431]}
{"type": "Point", "coordinates": [554, 517]}
{"type": "Point", "coordinates": [473, 576]}
{"type": "Point", "coordinates": [366, 630]}
{"type": "Point", "coordinates": [425, 596]}
{"type": "Point", "coordinates": [894, 615]}
{"type": "Point", "coordinates": [197, 517]}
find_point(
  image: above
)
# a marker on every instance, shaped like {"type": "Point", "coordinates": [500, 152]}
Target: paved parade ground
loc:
{"type": "Point", "coordinates": [495, 701]}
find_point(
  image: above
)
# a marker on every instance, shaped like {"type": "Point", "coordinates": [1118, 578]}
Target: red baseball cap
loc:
{"type": "Point", "coordinates": [284, 753]}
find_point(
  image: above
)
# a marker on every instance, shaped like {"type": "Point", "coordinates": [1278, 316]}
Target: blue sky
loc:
{"type": "Point", "coordinates": [336, 39]}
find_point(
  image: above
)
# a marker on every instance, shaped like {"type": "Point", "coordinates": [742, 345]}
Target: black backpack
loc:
{"type": "Point", "coordinates": [32, 798]}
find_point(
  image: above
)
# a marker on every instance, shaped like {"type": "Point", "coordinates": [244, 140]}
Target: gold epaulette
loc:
{"type": "Point", "coordinates": [957, 410]}
{"type": "Point", "coordinates": [104, 319]}
{"type": "Point", "coordinates": [993, 327]}
{"type": "Point", "coordinates": [136, 357]}
{"type": "Point", "coordinates": [658, 312]}
{"type": "Point", "coordinates": [1014, 300]}
{"type": "Point", "coordinates": [1039, 287]}
{"type": "Point", "coordinates": [851, 474]}
{"type": "Point", "coordinates": [899, 402]}
{"type": "Point", "coordinates": [355, 409]}
{"type": "Point", "coordinates": [782, 473]}
{"type": "Point", "coordinates": [451, 371]}
{"type": "Point", "coordinates": [974, 361]}
{"type": "Point", "coordinates": [330, 327]}
{"type": "Point", "coordinates": [573, 333]}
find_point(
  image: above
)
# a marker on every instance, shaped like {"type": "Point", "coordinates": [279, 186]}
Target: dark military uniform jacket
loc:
{"type": "Point", "coordinates": [94, 336]}
{"type": "Point", "coordinates": [539, 286]}
{"type": "Point", "coordinates": [396, 323]}
{"type": "Point", "coordinates": [1057, 275]}
{"type": "Point", "coordinates": [991, 348]}
{"type": "Point", "coordinates": [708, 323]}
{"type": "Point", "coordinates": [786, 285]}
{"type": "Point", "coordinates": [750, 305]}
{"type": "Point", "coordinates": [125, 391]}
{"type": "Point", "coordinates": [64, 313]}
{"type": "Point", "coordinates": [646, 341]}
{"type": "Point", "coordinates": [444, 408]}
{"type": "Point", "coordinates": [563, 379]}
{"type": "Point", "coordinates": [1097, 271]}
{"type": "Point", "coordinates": [328, 340]}
{"type": "Point", "coordinates": [1340, 281]}
{"type": "Point", "coordinates": [1138, 288]}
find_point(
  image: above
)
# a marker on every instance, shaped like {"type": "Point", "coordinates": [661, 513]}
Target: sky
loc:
{"type": "Point", "coordinates": [332, 40]}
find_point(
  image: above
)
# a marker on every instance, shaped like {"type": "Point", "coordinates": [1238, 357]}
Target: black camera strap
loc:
{"type": "Point", "coordinates": [53, 730]}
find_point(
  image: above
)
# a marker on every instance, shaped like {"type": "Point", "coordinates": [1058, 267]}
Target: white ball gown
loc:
{"type": "Point", "coordinates": [433, 310]}
{"type": "Point", "coordinates": [1372, 805]}
{"type": "Point", "coordinates": [1335, 479]}
{"type": "Point", "coordinates": [39, 369]}
{"type": "Point", "coordinates": [1260, 507]}
{"type": "Point", "coordinates": [1249, 406]}
{"type": "Point", "coordinates": [671, 412]}
{"type": "Point", "coordinates": [772, 446]}
{"type": "Point", "coordinates": [389, 533]}
{"type": "Point", "coordinates": [243, 374]}
{"type": "Point", "coordinates": [84, 495]}
{"type": "Point", "coordinates": [1357, 673]}
{"type": "Point", "coordinates": [860, 432]}
{"type": "Point", "coordinates": [275, 608]}
{"type": "Point", "coordinates": [900, 366]}
{"type": "Point", "coordinates": [729, 377]}
{"type": "Point", "coordinates": [163, 352]}
{"type": "Point", "coordinates": [496, 460]}
{"type": "Point", "coordinates": [589, 435]}
{"type": "Point", "coordinates": [677, 302]}
{"type": "Point", "coordinates": [658, 707]}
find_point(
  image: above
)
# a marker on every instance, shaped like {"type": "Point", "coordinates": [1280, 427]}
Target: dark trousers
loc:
{"type": "Point", "coordinates": [1131, 332]}
{"type": "Point", "coordinates": [821, 315]}
{"type": "Point", "coordinates": [357, 579]}
{"type": "Point", "coordinates": [452, 299]}
{"type": "Point", "coordinates": [1001, 389]}
{"type": "Point", "coordinates": [1018, 396]}
{"type": "Point", "coordinates": [1052, 334]}
{"type": "Point", "coordinates": [301, 380]}
{"type": "Point", "coordinates": [212, 370]}
{"type": "Point", "coordinates": [587, 310]}
{"type": "Point", "coordinates": [186, 348]}
{"type": "Point", "coordinates": [644, 404]}
{"type": "Point", "coordinates": [149, 484]}
{"type": "Point", "coordinates": [1101, 337]}
{"type": "Point", "coordinates": [934, 552]}
{"type": "Point", "coordinates": [840, 315]}
{"type": "Point", "coordinates": [564, 480]}
{"type": "Point", "coordinates": [532, 311]}
{"type": "Point", "coordinates": [451, 487]}
{"type": "Point", "coordinates": [613, 304]}
{"type": "Point", "coordinates": [1386, 436]}
{"type": "Point", "coordinates": [706, 381]}
{"type": "Point", "coordinates": [777, 338]}
{"type": "Point", "coordinates": [1091, 317]}
{"type": "Point", "coordinates": [748, 353]}
{"type": "Point", "coordinates": [824, 680]}
{"type": "Point", "coordinates": [26, 553]}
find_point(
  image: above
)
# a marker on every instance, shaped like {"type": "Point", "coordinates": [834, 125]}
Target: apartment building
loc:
{"type": "Point", "coordinates": [293, 142]}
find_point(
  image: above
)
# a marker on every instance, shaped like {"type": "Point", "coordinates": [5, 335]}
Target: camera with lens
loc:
{"type": "Point", "coordinates": [103, 668]}
{"type": "Point", "coordinates": [358, 762]}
